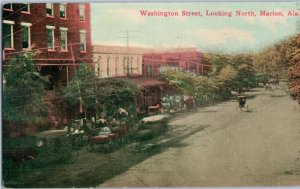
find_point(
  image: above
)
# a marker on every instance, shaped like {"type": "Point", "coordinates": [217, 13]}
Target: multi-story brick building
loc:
{"type": "Point", "coordinates": [60, 32]}
{"type": "Point", "coordinates": [184, 59]}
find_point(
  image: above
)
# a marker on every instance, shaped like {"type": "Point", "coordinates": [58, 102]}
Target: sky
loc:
{"type": "Point", "coordinates": [221, 34]}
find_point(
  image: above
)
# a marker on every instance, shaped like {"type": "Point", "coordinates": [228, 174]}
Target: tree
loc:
{"type": "Point", "coordinates": [294, 67]}
{"type": "Point", "coordinates": [228, 80]}
{"type": "Point", "coordinates": [23, 91]}
{"type": "Point", "coordinates": [98, 95]}
{"type": "Point", "coordinates": [115, 93]}
{"type": "Point", "coordinates": [198, 87]}
{"type": "Point", "coordinates": [243, 64]}
{"type": "Point", "coordinates": [183, 81]}
{"type": "Point", "coordinates": [80, 91]}
{"type": "Point", "coordinates": [218, 61]}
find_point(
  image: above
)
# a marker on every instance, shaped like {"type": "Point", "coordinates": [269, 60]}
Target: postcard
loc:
{"type": "Point", "coordinates": [150, 94]}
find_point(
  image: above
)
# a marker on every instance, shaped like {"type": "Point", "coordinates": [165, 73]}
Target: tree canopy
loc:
{"type": "Point", "coordinates": [100, 95]}
{"type": "Point", "coordinates": [23, 90]}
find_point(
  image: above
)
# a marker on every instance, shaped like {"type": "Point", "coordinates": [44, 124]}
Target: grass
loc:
{"type": "Point", "coordinates": [86, 169]}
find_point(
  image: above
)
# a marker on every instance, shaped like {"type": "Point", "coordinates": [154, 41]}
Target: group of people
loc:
{"type": "Point", "coordinates": [178, 102]}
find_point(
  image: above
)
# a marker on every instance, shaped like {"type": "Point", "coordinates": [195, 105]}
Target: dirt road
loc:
{"type": "Point", "coordinates": [255, 148]}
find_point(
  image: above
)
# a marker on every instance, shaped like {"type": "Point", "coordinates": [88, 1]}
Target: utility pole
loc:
{"type": "Point", "coordinates": [80, 98]}
{"type": "Point", "coordinates": [127, 49]}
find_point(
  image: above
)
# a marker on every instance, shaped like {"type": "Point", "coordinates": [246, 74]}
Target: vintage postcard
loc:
{"type": "Point", "coordinates": [150, 94]}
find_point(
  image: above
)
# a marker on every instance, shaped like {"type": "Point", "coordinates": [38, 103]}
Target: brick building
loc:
{"type": "Point", "coordinates": [184, 59]}
{"type": "Point", "coordinates": [60, 32]}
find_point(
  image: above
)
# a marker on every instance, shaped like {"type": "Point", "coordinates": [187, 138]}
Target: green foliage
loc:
{"type": "Point", "coordinates": [244, 66]}
{"type": "Point", "coordinates": [276, 58]}
{"type": "Point", "coordinates": [262, 78]}
{"type": "Point", "coordinates": [81, 87]}
{"type": "Point", "coordinates": [98, 95]}
{"type": "Point", "coordinates": [190, 85]}
{"type": "Point", "coordinates": [23, 90]}
{"type": "Point", "coordinates": [230, 73]}
{"type": "Point", "coordinates": [280, 61]}
{"type": "Point", "coordinates": [228, 79]}
{"type": "Point", "coordinates": [233, 71]}
{"type": "Point", "coordinates": [115, 93]}
{"type": "Point", "coordinates": [218, 61]}
{"type": "Point", "coordinates": [181, 80]}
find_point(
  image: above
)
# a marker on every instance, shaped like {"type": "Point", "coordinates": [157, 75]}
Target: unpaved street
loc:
{"type": "Point", "coordinates": [255, 148]}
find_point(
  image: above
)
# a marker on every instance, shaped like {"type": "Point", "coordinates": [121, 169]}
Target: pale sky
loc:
{"type": "Point", "coordinates": [109, 22]}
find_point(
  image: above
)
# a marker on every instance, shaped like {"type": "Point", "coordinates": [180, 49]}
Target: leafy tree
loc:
{"type": "Point", "coordinates": [80, 91]}
{"type": "Point", "coordinates": [198, 87]}
{"type": "Point", "coordinates": [218, 61]}
{"type": "Point", "coordinates": [23, 91]}
{"type": "Point", "coordinates": [262, 78]}
{"type": "Point", "coordinates": [98, 95]}
{"type": "Point", "coordinates": [115, 93]}
{"type": "Point", "coordinates": [294, 67]}
{"type": "Point", "coordinates": [245, 77]}
{"type": "Point", "coordinates": [274, 60]}
{"type": "Point", "coordinates": [181, 80]}
{"type": "Point", "coordinates": [228, 80]}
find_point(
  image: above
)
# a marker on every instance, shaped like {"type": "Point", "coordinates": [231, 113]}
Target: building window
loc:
{"type": "Point", "coordinates": [49, 9]}
{"type": "Point", "coordinates": [62, 10]}
{"type": "Point", "coordinates": [25, 7]}
{"type": "Point", "coordinates": [50, 37]}
{"type": "Point", "coordinates": [81, 12]}
{"type": "Point", "coordinates": [8, 34]}
{"type": "Point", "coordinates": [82, 40]}
{"type": "Point", "coordinates": [149, 70]}
{"type": "Point", "coordinates": [63, 38]}
{"type": "Point", "coordinates": [26, 35]}
{"type": "Point", "coordinates": [7, 6]}
{"type": "Point", "coordinates": [107, 66]}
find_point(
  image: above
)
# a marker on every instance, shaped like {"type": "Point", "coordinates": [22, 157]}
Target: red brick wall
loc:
{"type": "Point", "coordinates": [39, 20]}
{"type": "Point", "coordinates": [189, 60]}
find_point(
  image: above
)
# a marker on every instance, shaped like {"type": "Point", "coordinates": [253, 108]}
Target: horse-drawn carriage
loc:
{"type": "Point", "coordinates": [242, 103]}
{"type": "Point", "coordinates": [106, 140]}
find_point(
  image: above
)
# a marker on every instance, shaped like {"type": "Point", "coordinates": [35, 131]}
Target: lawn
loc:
{"type": "Point", "coordinates": [89, 169]}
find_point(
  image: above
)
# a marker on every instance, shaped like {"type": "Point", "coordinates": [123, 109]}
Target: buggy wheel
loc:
{"type": "Point", "coordinates": [90, 146]}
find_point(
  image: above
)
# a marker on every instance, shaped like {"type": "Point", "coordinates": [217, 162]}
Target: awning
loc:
{"type": "Point", "coordinates": [144, 82]}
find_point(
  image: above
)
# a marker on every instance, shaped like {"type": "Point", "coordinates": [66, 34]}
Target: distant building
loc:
{"type": "Point", "coordinates": [190, 60]}
{"type": "Point", "coordinates": [116, 61]}
{"type": "Point", "coordinates": [60, 32]}
{"type": "Point", "coordinates": [120, 61]}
